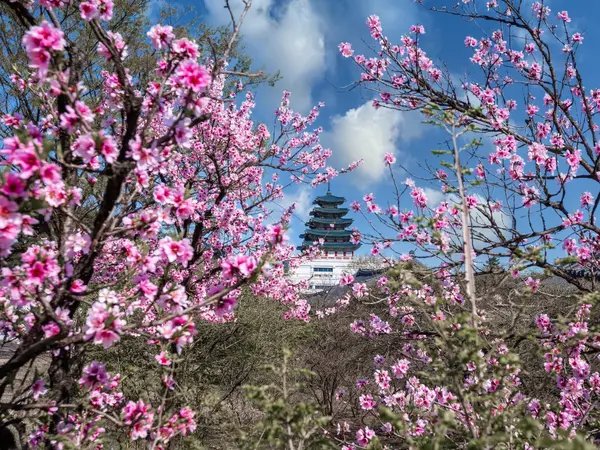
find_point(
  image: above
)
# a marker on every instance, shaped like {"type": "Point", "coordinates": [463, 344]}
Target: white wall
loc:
{"type": "Point", "coordinates": [306, 272]}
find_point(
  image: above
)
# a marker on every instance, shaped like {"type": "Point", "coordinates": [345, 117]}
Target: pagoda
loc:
{"type": "Point", "coordinates": [327, 222]}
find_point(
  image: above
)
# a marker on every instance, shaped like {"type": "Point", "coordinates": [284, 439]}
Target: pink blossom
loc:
{"type": "Point", "coordinates": [419, 197]}
{"type": "Point", "coordinates": [366, 402]}
{"type": "Point", "coordinates": [543, 323]}
{"type": "Point", "coordinates": [183, 132]}
{"type": "Point", "coordinates": [77, 243]}
{"type": "Point", "coordinates": [162, 359]}
{"type": "Point", "coordinates": [118, 44]}
{"type": "Point", "coordinates": [242, 264]}
{"type": "Point", "coordinates": [379, 360]}
{"type": "Point", "coordinates": [38, 388]}
{"type": "Point", "coordinates": [382, 378]}
{"type": "Point", "coordinates": [109, 150]}
{"type": "Point", "coordinates": [180, 251]}
{"type": "Point", "coordinates": [193, 76]}
{"type": "Point", "coordinates": [417, 29]}
{"type": "Point", "coordinates": [8, 209]}
{"type": "Point", "coordinates": [374, 25]}
{"type": "Point", "coordinates": [105, 9]}
{"type": "Point", "coordinates": [50, 329]}
{"type": "Point", "coordinates": [185, 48]}
{"type": "Point", "coordinates": [480, 172]}
{"type": "Point", "coordinates": [373, 208]}
{"type": "Point", "coordinates": [169, 382]}
{"type": "Point", "coordinates": [346, 49]}
{"type": "Point", "coordinates": [94, 375]}
{"type": "Point", "coordinates": [88, 10]}
{"type": "Point", "coordinates": [225, 305]}
{"type": "Point", "coordinates": [140, 416]}
{"type": "Point", "coordinates": [564, 16]}
{"type": "Point", "coordinates": [161, 36]}
{"type": "Point", "coordinates": [359, 289]}
{"type": "Point", "coordinates": [13, 186]}
{"type": "Point", "coordinates": [389, 159]}
{"type": "Point", "coordinates": [85, 147]}
{"type": "Point", "coordinates": [276, 233]}
{"type": "Point", "coordinates": [50, 174]}
{"type": "Point", "coordinates": [37, 273]}
{"type": "Point", "coordinates": [470, 42]}
{"type": "Point", "coordinates": [78, 287]}
{"type": "Point", "coordinates": [532, 110]}
{"type": "Point", "coordinates": [39, 42]}
{"type": "Point", "coordinates": [532, 283]}
{"type": "Point", "coordinates": [586, 199]}
{"type": "Point", "coordinates": [364, 436]}
{"type": "Point", "coordinates": [346, 279]}
{"type": "Point", "coordinates": [103, 324]}
{"type": "Point", "coordinates": [471, 201]}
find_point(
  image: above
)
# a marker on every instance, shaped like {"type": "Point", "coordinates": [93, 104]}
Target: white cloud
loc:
{"type": "Point", "coordinates": [288, 38]}
{"type": "Point", "coordinates": [483, 223]}
{"type": "Point", "coordinates": [153, 10]}
{"type": "Point", "coordinates": [368, 133]}
{"type": "Point", "coordinates": [302, 198]}
{"type": "Point", "coordinates": [434, 197]}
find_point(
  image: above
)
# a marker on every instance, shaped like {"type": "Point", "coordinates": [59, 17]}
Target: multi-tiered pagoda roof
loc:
{"type": "Point", "coordinates": [327, 222]}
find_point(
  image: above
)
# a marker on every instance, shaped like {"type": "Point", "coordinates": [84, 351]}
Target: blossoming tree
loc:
{"type": "Point", "coordinates": [524, 190]}
{"type": "Point", "coordinates": [140, 213]}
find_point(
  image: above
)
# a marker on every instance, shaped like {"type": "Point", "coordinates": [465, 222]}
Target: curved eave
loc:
{"type": "Point", "coordinates": [324, 221]}
{"type": "Point", "coordinates": [327, 233]}
{"type": "Point", "coordinates": [347, 246]}
{"type": "Point", "coordinates": [329, 197]}
{"type": "Point", "coordinates": [325, 200]}
{"type": "Point", "coordinates": [576, 270]}
{"type": "Point", "coordinates": [337, 211]}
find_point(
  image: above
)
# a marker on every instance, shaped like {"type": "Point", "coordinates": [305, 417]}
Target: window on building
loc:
{"type": "Point", "coordinates": [323, 269]}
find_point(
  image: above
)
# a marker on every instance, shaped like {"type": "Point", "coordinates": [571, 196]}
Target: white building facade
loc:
{"type": "Point", "coordinates": [322, 273]}
{"type": "Point", "coordinates": [327, 224]}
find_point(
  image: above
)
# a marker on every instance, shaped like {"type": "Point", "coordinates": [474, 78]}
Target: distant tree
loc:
{"type": "Point", "coordinates": [493, 265]}
{"type": "Point", "coordinates": [367, 262]}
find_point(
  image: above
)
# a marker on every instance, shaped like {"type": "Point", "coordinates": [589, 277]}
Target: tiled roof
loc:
{"type": "Point", "coordinates": [332, 199]}
{"type": "Point", "coordinates": [340, 211]}
{"type": "Point", "coordinates": [332, 246]}
{"type": "Point", "coordinates": [327, 233]}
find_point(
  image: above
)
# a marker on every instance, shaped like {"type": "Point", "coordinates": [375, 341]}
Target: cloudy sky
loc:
{"type": "Point", "coordinates": [300, 38]}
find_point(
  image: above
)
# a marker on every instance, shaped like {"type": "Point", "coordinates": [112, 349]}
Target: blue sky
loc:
{"type": "Point", "coordinates": [300, 38]}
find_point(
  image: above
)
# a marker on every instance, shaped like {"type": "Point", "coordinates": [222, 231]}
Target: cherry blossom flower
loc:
{"type": "Point", "coordinates": [162, 359]}
{"type": "Point", "coordinates": [38, 388]}
{"type": "Point", "coordinates": [94, 375]}
{"type": "Point", "coordinates": [161, 36]}
{"type": "Point", "coordinates": [346, 49]}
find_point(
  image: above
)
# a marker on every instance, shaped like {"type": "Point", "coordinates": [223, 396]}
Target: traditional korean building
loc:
{"type": "Point", "coordinates": [327, 222]}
